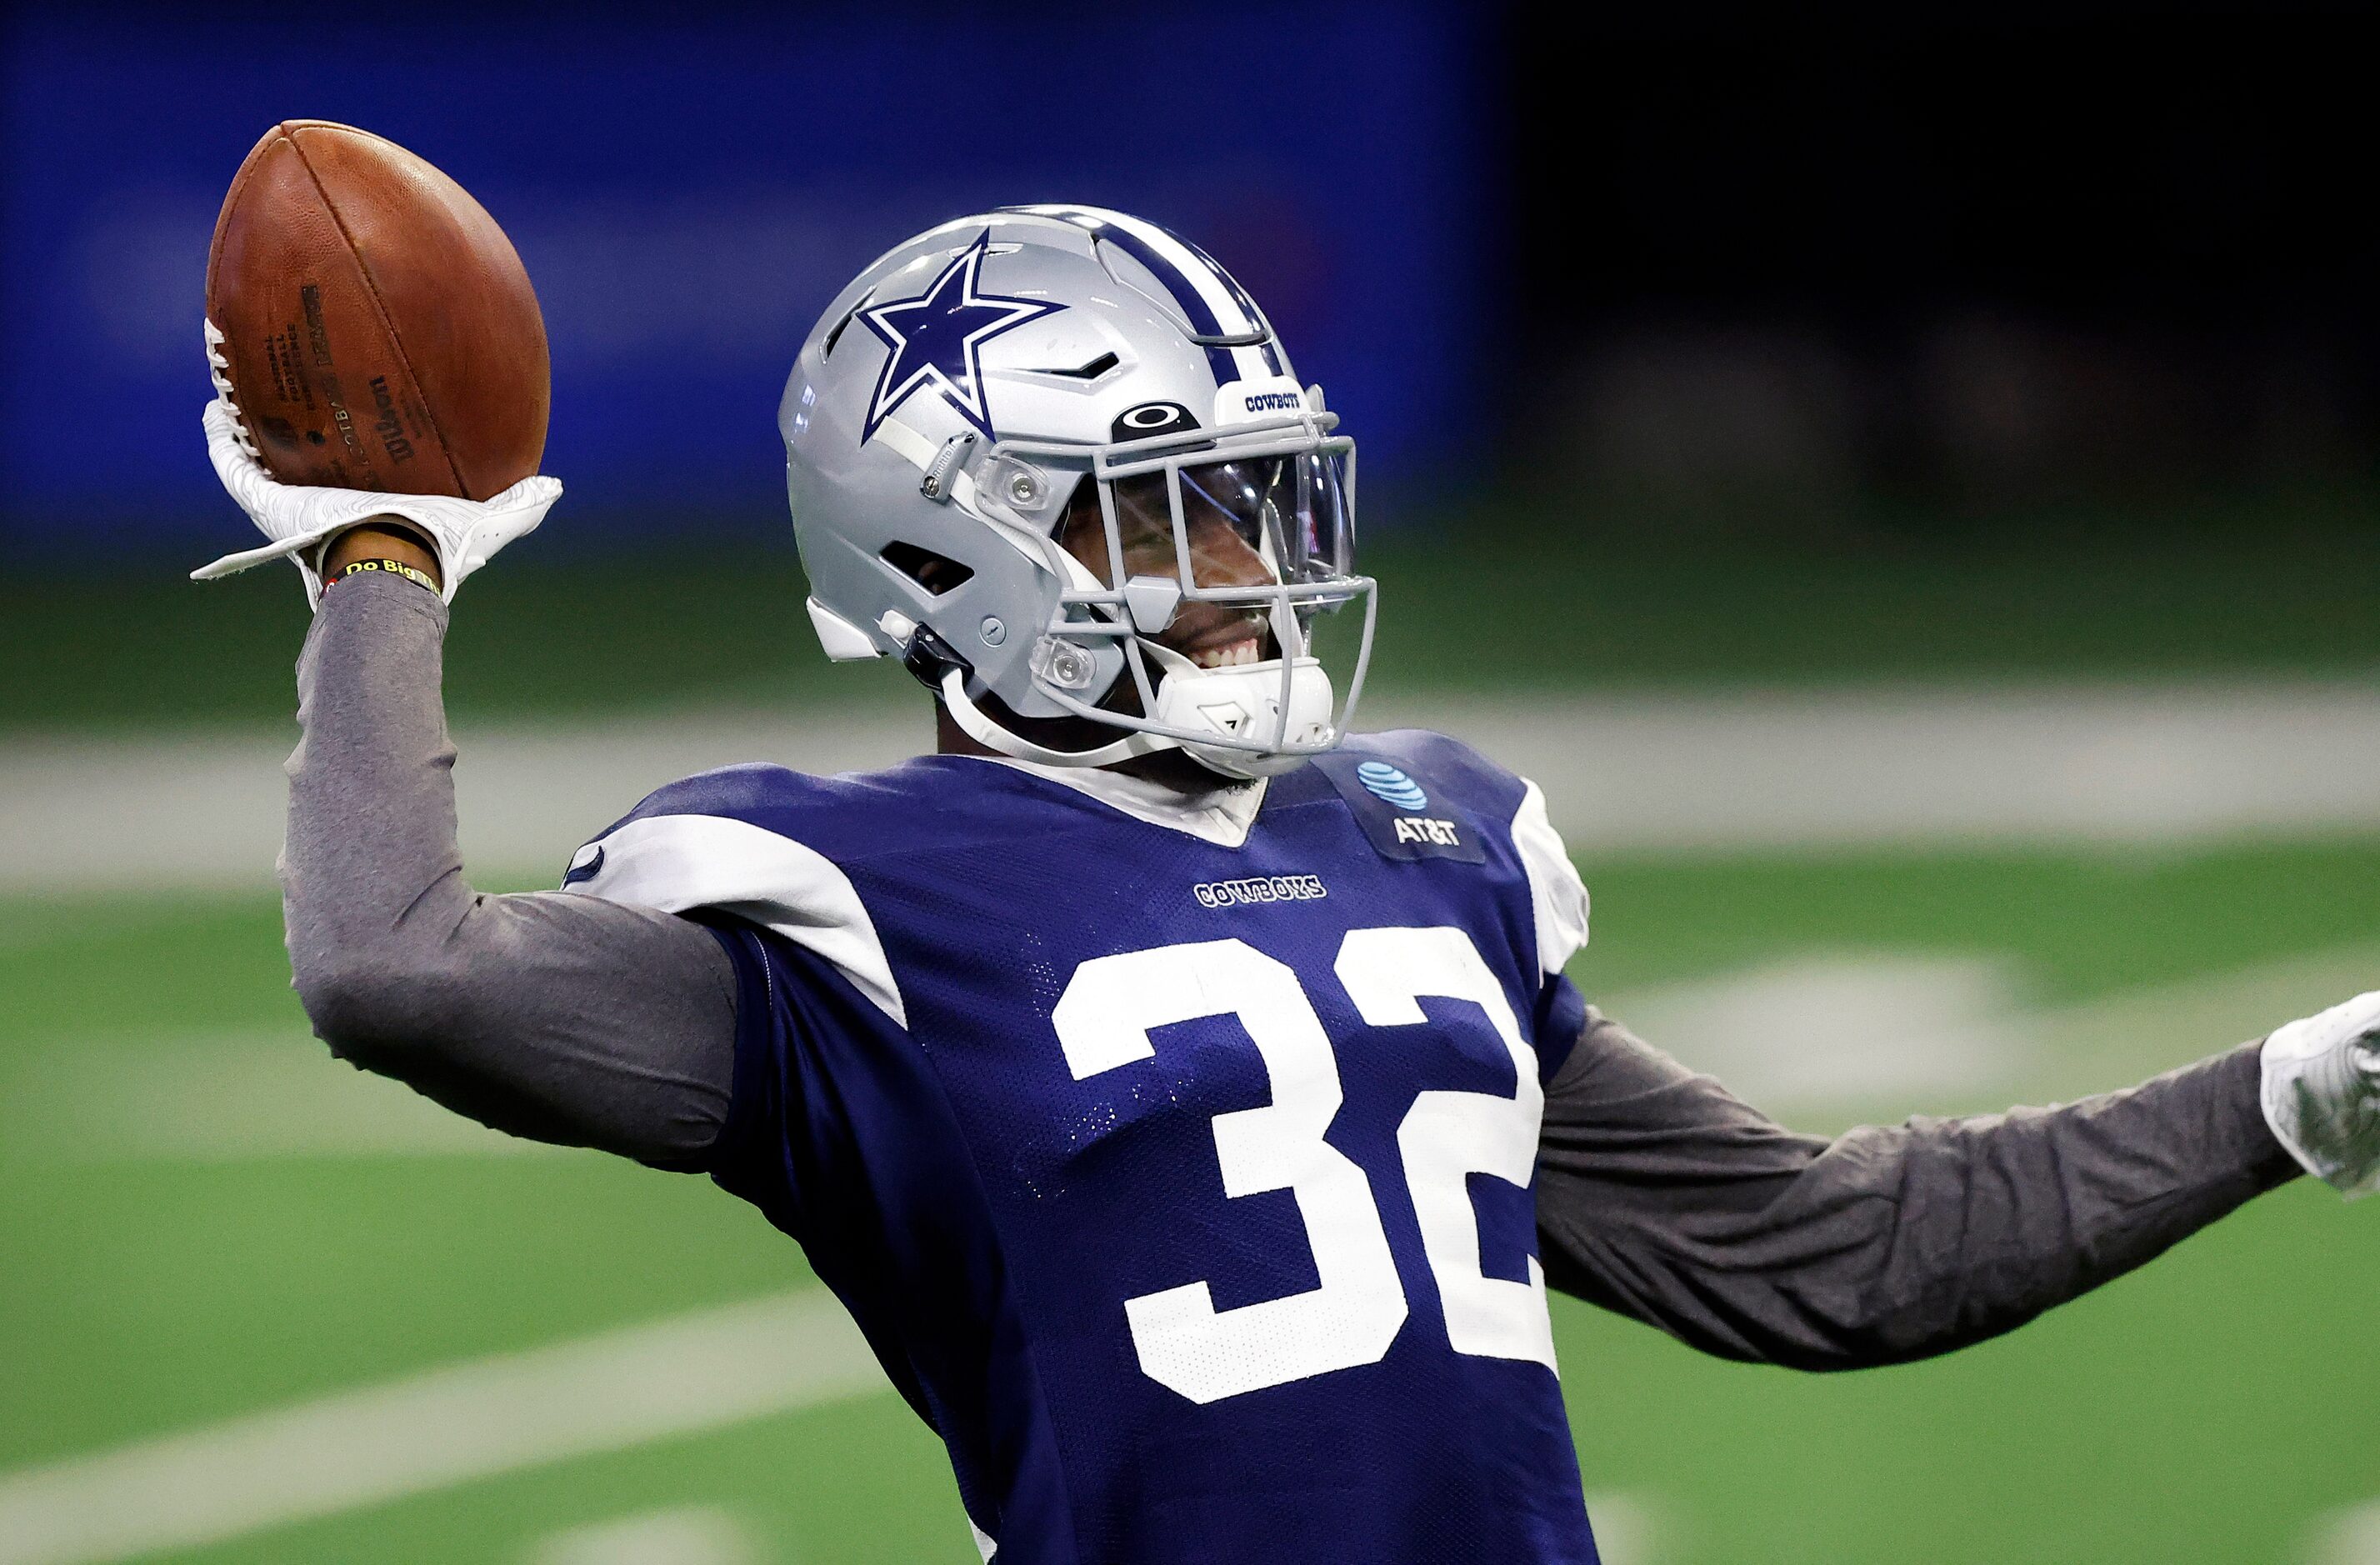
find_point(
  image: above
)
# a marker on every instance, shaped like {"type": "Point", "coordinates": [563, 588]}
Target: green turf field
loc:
{"type": "Point", "coordinates": [1506, 602]}
{"type": "Point", "coordinates": [202, 1216]}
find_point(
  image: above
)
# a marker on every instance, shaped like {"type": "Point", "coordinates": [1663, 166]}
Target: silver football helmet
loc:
{"type": "Point", "coordinates": [1005, 384]}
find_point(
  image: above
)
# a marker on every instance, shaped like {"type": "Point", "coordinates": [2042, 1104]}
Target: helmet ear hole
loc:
{"type": "Point", "coordinates": [936, 574]}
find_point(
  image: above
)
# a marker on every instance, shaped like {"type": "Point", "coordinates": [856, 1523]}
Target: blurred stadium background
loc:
{"type": "Point", "coordinates": [1904, 485]}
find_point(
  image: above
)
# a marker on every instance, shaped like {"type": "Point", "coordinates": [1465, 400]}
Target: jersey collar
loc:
{"type": "Point", "coordinates": [1222, 815]}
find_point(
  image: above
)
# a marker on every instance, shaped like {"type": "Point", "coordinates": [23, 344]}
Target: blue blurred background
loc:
{"type": "Point", "coordinates": [1686, 270]}
{"type": "Point", "coordinates": [687, 196]}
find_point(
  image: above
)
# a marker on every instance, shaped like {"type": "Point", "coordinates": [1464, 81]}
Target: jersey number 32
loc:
{"type": "Point", "coordinates": [1103, 1021]}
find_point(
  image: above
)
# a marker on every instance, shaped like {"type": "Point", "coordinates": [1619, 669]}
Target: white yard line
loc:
{"type": "Point", "coordinates": [1625, 1533]}
{"type": "Point", "coordinates": [2346, 1538]}
{"type": "Point", "coordinates": [1751, 769]}
{"type": "Point", "coordinates": [1816, 1030]}
{"type": "Point", "coordinates": [445, 1427]}
{"type": "Point", "coordinates": [1818, 1039]}
{"type": "Point", "coordinates": [699, 1534]}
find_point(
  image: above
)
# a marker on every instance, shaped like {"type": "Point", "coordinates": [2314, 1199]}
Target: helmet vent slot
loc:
{"type": "Point", "coordinates": [936, 574]}
{"type": "Point", "coordinates": [1090, 371]}
{"type": "Point", "coordinates": [826, 349]}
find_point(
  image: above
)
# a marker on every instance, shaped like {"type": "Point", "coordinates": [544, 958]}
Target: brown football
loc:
{"type": "Point", "coordinates": [378, 330]}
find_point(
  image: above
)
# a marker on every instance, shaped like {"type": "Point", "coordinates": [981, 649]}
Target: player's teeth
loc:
{"type": "Point", "coordinates": [1232, 656]}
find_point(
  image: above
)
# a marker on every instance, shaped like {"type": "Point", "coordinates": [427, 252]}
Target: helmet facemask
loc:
{"type": "Point", "coordinates": [1212, 554]}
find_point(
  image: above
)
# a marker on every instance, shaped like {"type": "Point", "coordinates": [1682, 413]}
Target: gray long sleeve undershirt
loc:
{"type": "Point", "coordinates": [550, 1014]}
{"type": "Point", "coordinates": [1660, 1195]}
{"type": "Point", "coordinates": [1663, 1196]}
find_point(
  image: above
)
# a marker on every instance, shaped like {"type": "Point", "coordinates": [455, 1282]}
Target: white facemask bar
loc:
{"type": "Point", "coordinates": [1299, 434]}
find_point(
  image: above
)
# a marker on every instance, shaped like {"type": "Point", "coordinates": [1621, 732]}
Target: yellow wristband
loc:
{"type": "Point", "coordinates": [386, 568]}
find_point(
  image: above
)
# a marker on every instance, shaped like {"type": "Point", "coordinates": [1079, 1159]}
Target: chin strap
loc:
{"type": "Point", "coordinates": [938, 668]}
{"type": "Point", "coordinates": [930, 657]}
{"type": "Point", "coordinates": [979, 726]}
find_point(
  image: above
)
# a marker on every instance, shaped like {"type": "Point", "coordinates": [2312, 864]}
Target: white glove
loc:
{"type": "Point", "coordinates": [467, 533]}
{"type": "Point", "coordinates": [2322, 1093]}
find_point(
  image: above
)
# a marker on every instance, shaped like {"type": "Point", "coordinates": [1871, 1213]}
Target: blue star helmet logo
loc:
{"type": "Point", "coordinates": [937, 339]}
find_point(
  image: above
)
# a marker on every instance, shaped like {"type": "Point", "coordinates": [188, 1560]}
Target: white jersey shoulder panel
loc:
{"type": "Point", "coordinates": [1556, 893]}
{"type": "Point", "coordinates": [678, 862]}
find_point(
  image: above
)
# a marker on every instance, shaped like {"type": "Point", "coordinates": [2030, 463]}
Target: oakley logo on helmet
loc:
{"type": "Point", "coordinates": [937, 339]}
{"type": "Point", "coordinates": [1151, 418]}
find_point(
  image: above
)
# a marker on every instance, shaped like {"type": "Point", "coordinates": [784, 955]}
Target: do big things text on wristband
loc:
{"type": "Point", "coordinates": [383, 567]}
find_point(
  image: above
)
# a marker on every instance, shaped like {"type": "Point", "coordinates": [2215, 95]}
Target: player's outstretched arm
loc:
{"type": "Point", "coordinates": [1663, 1196]}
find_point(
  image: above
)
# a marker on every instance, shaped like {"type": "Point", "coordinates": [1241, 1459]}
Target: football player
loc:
{"type": "Point", "coordinates": [1182, 1091]}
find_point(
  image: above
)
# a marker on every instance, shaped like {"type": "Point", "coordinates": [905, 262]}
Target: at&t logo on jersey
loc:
{"type": "Point", "coordinates": [1439, 833]}
{"type": "Point", "coordinates": [1396, 811]}
{"type": "Point", "coordinates": [1390, 785]}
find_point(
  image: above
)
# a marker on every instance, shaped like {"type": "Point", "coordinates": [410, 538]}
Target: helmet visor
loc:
{"type": "Point", "coordinates": [1292, 508]}
{"type": "Point", "coordinates": [1286, 514]}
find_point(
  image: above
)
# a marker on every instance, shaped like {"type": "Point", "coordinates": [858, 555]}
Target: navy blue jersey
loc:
{"type": "Point", "coordinates": [1183, 1182]}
